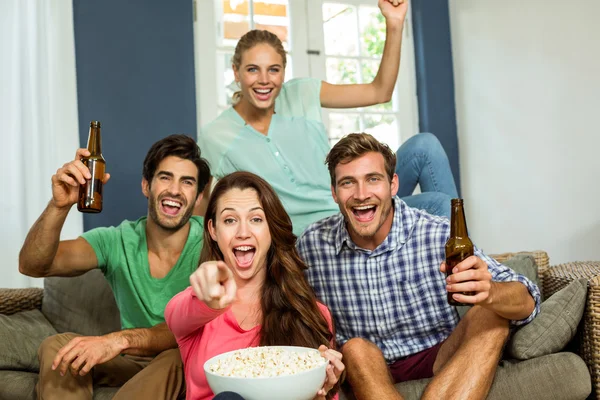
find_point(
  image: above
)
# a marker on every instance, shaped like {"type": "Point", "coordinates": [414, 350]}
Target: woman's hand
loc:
{"type": "Point", "coordinates": [213, 283]}
{"type": "Point", "coordinates": [334, 371]}
{"type": "Point", "coordinates": [393, 9]}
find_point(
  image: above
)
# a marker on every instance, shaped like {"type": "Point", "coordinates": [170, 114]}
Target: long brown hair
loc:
{"type": "Point", "coordinates": [248, 41]}
{"type": "Point", "coordinates": [290, 315]}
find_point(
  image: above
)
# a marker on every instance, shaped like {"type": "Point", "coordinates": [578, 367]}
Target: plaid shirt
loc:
{"type": "Point", "coordinates": [395, 296]}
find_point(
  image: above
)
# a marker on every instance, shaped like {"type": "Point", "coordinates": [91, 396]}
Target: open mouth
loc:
{"type": "Point", "coordinates": [263, 94]}
{"type": "Point", "coordinates": [244, 255]}
{"type": "Point", "coordinates": [364, 213]}
{"type": "Point", "coordinates": [170, 207]}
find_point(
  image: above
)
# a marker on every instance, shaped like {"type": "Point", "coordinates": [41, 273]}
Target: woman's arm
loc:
{"type": "Point", "coordinates": [382, 87]}
{"type": "Point", "coordinates": [186, 314]}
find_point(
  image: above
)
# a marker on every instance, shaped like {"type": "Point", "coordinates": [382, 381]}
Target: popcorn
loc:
{"type": "Point", "coordinates": [266, 362]}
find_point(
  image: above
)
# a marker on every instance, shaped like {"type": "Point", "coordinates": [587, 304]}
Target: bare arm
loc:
{"type": "Point", "coordinates": [43, 254]}
{"type": "Point", "coordinates": [382, 87]}
{"type": "Point", "coordinates": [82, 353]}
{"type": "Point", "coordinates": [510, 300]}
{"type": "Point", "coordinates": [145, 341]}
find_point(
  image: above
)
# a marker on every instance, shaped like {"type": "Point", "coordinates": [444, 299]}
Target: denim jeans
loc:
{"type": "Point", "coordinates": [228, 396]}
{"type": "Point", "coordinates": [422, 160]}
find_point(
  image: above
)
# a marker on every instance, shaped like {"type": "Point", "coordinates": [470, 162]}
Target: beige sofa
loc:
{"type": "Point", "coordinates": [86, 305]}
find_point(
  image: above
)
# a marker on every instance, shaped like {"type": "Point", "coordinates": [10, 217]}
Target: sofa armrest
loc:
{"type": "Point", "coordinates": [587, 340]}
{"type": "Point", "coordinates": [15, 300]}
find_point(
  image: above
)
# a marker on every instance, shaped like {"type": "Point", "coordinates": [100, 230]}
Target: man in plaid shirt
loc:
{"type": "Point", "coordinates": [379, 267]}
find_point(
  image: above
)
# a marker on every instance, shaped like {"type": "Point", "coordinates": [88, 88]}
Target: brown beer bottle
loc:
{"type": "Point", "coordinates": [90, 193]}
{"type": "Point", "coordinates": [458, 246]}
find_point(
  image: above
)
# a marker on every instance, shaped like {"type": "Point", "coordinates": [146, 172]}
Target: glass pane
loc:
{"type": "Point", "coordinates": [340, 70]}
{"type": "Point", "coordinates": [372, 31]}
{"type": "Point", "coordinates": [369, 69]}
{"type": "Point", "coordinates": [236, 20]}
{"type": "Point", "coordinates": [340, 29]}
{"type": "Point", "coordinates": [272, 15]}
{"type": "Point", "coordinates": [384, 127]}
{"type": "Point", "coordinates": [226, 85]}
{"type": "Point", "coordinates": [342, 124]}
{"type": "Point", "coordinates": [289, 72]}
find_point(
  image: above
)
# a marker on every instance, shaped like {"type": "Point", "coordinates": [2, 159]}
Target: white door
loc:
{"type": "Point", "coordinates": [336, 41]}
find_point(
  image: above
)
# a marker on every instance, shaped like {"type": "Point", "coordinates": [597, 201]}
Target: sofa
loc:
{"type": "Point", "coordinates": [571, 370]}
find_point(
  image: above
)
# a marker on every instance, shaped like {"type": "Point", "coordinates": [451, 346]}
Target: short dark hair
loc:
{"type": "Point", "coordinates": [355, 145]}
{"type": "Point", "coordinates": [181, 146]}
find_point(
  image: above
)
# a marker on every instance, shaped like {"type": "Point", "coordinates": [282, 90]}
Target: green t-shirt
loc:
{"type": "Point", "coordinates": [122, 254]}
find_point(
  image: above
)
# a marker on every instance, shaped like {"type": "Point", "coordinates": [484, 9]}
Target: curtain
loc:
{"type": "Point", "coordinates": [38, 120]}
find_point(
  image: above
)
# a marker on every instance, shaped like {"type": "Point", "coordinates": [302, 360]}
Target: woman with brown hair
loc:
{"type": "Point", "coordinates": [250, 288]}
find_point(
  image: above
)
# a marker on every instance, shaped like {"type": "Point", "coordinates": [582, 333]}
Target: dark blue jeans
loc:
{"type": "Point", "coordinates": [422, 160]}
{"type": "Point", "coordinates": [228, 396]}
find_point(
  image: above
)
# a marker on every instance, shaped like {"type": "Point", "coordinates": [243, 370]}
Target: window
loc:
{"type": "Point", "coordinates": [337, 41]}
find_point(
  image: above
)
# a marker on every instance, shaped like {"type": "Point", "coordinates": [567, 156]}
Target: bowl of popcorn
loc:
{"type": "Point", "coordinates": [268, 373]}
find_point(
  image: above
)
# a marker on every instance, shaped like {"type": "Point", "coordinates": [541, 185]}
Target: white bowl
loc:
{"type": "Point", "coordinates": [301, 386]}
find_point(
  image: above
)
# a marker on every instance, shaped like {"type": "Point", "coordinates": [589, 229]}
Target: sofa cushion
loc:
{"type": "Point", "coordinates": [555, 325]}
{"type": "Point", "coordinates": [562, 376]}
{"type": "Point", "coordinates": [17, 385]}
{"type": "Point", "coordinates": [20, 336]}
{"type": "Point", "coordinates": [83, 304]}
{"type": "Point", "coordinates": [525, 265]}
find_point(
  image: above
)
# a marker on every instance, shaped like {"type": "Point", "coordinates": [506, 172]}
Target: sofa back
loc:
{"type": "Point", "coordinates": [83, 304]}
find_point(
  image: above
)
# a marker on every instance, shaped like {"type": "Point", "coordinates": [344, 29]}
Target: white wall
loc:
{"type": "Point", "coordinates": [527, 81]}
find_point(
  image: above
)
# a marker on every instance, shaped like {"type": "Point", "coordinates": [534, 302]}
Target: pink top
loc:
{"type": "Point", "coordinates": [203, 333]}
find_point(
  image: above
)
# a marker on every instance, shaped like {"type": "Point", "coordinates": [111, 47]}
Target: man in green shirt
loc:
{"type": "Point", "coordinates": [146, 262]}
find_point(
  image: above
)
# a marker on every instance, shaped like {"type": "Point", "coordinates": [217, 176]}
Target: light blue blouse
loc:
{"type": "Point", "coordinates": [290, 157]}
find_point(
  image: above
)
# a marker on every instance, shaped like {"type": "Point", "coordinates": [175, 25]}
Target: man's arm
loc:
{"type": "Point", "coordinates": [82, 353]}
{"type": "Point", "coordinates": [510, 300]}
{"type": "Point", "coordinates": [145, 341]}
{"type": "Point", "coordinates": [43, 254]}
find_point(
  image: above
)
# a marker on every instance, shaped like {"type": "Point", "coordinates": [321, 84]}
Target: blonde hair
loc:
{"type": "Point", "coordinates": [248, 41]}
{"type": "Point", "coordinates": [355, 145]}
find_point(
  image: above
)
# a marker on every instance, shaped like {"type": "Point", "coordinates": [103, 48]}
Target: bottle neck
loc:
{"type": "Point", "coordinates": [94, 145]}
{"type": "Point", "coordinates": [458, 222]}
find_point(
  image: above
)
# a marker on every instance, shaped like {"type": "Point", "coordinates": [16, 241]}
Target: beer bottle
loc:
{"type": "Point", "coordinates": [90, 193]}
{"type": "Point", "coordinates": [458, 246]}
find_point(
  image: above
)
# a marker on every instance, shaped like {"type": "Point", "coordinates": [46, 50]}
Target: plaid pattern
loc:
{"type": "Point", "coordinates": [395, 295]}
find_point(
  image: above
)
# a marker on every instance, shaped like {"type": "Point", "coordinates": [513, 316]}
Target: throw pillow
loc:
{"type": "Point", "coordinates": [20, 336]}
{"type": "Point", "coordinates": [84, 304]}
{"type": "Point", "coordinates": [525, 265]}
{"type": "Point", "coordinates": [554, 326]}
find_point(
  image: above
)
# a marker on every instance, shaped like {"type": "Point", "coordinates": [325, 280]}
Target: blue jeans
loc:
{"type": "Point", "coordinates": [228, 396]}
{"type": "Point", "coordinates": [422, 160]}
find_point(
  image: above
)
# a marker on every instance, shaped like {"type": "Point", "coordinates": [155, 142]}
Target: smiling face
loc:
{"type": "Point", "coordinates": [364, 194]}
{"type": "Point", "coordinates": [172, 193]}
{"type": "Point", "coordinates": [241, 231]}
{"type": "Point", "coordinates": [260, 75]}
